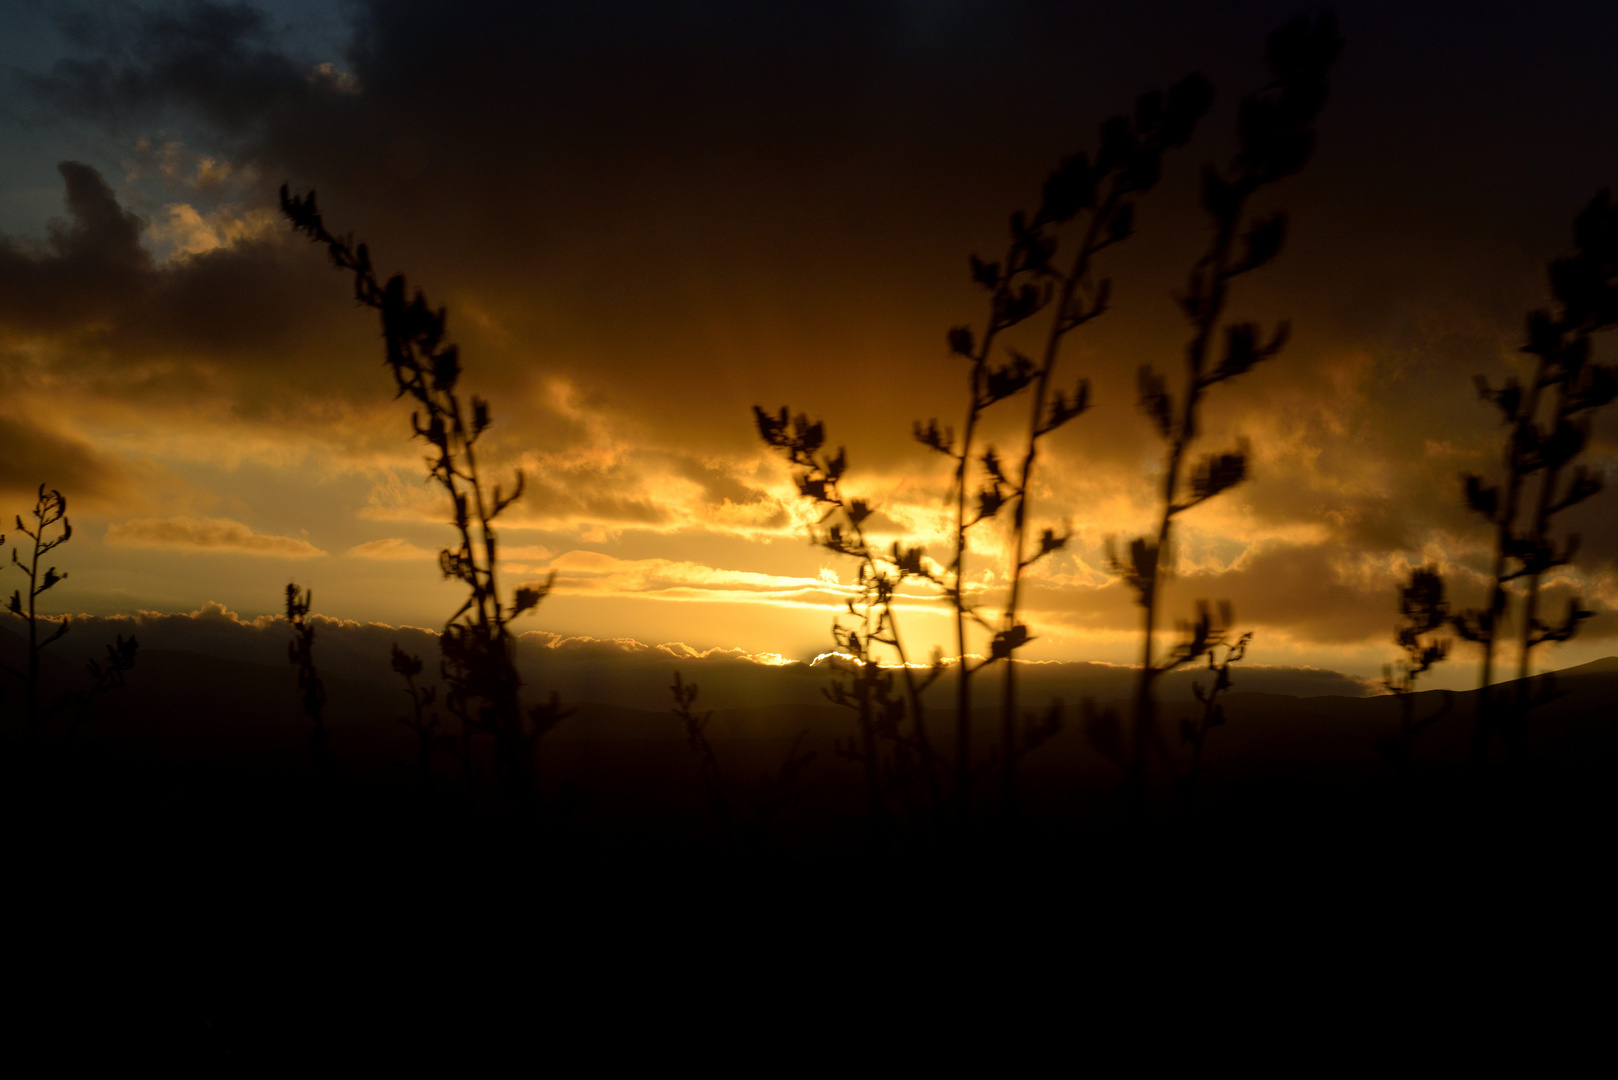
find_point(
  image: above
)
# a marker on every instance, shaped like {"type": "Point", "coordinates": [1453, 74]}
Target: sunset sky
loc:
{"type": "Point", "coordinates": [645, 218]}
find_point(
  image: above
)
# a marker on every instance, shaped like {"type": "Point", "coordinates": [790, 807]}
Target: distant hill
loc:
{"type": "Point", "coordinates": [620, 672]}
{"type": "Point", "coordinates": [217, 725]}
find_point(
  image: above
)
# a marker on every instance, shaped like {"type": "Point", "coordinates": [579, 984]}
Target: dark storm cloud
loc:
{"type": "Point", "coordinates": [216, 58]}
{"type": "Point", "coordinates": [90, 266]}
{"type": "Point", "coordinates": [93, 294]}
{"type": "Point", "coordinates": [787, 184]}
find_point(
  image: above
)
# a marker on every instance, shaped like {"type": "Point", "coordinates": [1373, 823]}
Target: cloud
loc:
{"type": "Point", "coordinates": [598, 574]}
{"type": "Point", "coordinates": [220, 56]}
{"type": "Point", "coordinates": [392, 548]}
{"type": "Point", "coordinates": [35, 455]}
{"type": "Point", "coordinates": [326, 74]}
{"type": "Point", "coordinates": [644, 219]}
{"type": "Point", "coordinates": [189, 231]}
{"type": "Point", "coordinates": [88, 265]}
{"type": "Point", "coordinates": [206, 534]}
{"type": "Point", "coordinates": [526, 552]}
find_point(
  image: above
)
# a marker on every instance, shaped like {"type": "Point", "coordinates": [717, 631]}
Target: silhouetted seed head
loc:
{"type": "Point", "coordinates": [986, 274]}
{"type": "Point", "coordinates": [446, 369]}
{"type": "Point", "coordinates": [405, 664]}
{"type": "Point", "coordinates": [1188, 101]}
{"type": "Point", "coordinates": [1218, 472]}
{"type": "Point", "coordinates": [1155, 401]}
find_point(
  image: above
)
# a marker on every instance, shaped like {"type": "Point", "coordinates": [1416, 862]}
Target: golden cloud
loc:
{"type": "Point", "coordinates": [206, 534]}
{"type": "Point", "coordinates": [189, 231]}
{"type": "Point", "coordinates": [393, 548]}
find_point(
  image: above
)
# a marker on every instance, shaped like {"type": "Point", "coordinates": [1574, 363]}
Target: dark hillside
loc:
{"type": "Point", "coordinates": [205, 752]}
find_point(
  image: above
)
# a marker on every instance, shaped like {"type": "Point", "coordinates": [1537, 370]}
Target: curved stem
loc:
{"type": "Point", "coordinates": [1053, 346]}
{"type": "Point", "coordinates": [1215, 265]}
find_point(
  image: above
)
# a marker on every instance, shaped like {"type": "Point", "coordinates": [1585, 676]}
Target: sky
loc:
{"type": "Point", "coordinates": [646, 218]}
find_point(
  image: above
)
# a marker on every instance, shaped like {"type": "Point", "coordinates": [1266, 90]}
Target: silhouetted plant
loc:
{"type": "Point", "coordinates": [1104, 730]}
{"type": "Point", "coordinates": [864, 686]}
{"type": "Point", "coordinates": [105, 678]}
{"type": "Point", "coordinates": [775, 789]}
{"type": "Point", "coordinates": [50, 510]}
{"type": "Point", "coordinates": [1194, 732]}
{"type": "Point", "coordinates": [696, 736]}
{"type": "Point", "coordinates": [1276, 137]}
{"type": "Point", "coordinates": [1093, 200]}
{"type": "Point", "coordinates": [423, 724]}
{"type": "Point", "coordinates": [1585, 285]}
{"type": "Point", "coordinates": [1423, 612]}
{"type": "Point", "coordinates": [480, 676]}
{"type": "Point", "coordinates": [311, 690]}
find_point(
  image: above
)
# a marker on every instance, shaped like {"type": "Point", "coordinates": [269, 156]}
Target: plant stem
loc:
{"type": "Point", "coordinates": [1053, 345]}
{"type": "Point", "coordinates": [33, 637]}
{"type": "Point", "coordinates": [1215, 263]}
{"type": "Point", "coordinates": [1502, 543]}
{"type": "Point", "coordinates": [963, 686]}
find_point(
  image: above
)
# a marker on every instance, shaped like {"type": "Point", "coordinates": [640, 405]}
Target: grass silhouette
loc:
{"type": "Point", "coordinates": [774, 791]}
{"type": "Point", "coordinates": [1275, 139]}
{"type": "Point", "coordinates": [422, 723]}
{"type": "Point", "coordinates": [1096, 199]}
{"type": "Point", "coordinates": [106, 675]}
{"type": "Point", "coordinates": [1548, 426]}
{"type": "Point", "coordinates": [1194, 732]}
{"type": "Point", "coordinates": [311, 690]}
{"type": "Point", "coordinates": [482, 687]}
{"type": "Point", "coordinates": [1092, 201]}
{"type": "Point", "coordinates": [894, 753]}
{"type": "Point", "coordinates": [1423, 612]}
{"type": "Point", "coordinates": [696, 737]}
{"type": "Point", "coordinates": [50, 510]}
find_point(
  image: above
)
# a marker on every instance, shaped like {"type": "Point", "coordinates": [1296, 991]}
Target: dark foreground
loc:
{"type": "Point", "coordinates": [176, 780]}
{"type": "Point", "coordinates": [184, 839]}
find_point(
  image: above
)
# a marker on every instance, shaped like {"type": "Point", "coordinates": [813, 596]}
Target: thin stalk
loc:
{"type": "Point", "coordinates": [1053, 345]}
{"type": "Point", "coordinates": [963, 686]}
{"type": "Point", "coordinates": [33, 639]}
{"type": "Point", "coordinates": [1502, 543]}
{"type": "Point", "coordinates": [1542, 517]}
{"type": "Point", "coordinates": [888, 620]}
{"type": "Point", "coordinates": [1217, 262]}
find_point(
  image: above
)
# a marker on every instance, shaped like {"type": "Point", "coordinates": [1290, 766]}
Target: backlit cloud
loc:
{"type": "Point", "coordinates": [206, 534]}
{"type": "Point", "coordinates": [391, 548]}
{"type": "Point", "coordinates": [645, 219]}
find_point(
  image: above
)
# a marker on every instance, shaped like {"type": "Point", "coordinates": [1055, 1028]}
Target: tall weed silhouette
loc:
{"type": "Point", "coordinates": [422, 723]}
{"type": "Point", "coordinates": [1275, 139]}
{"type": "Point", "coordinates": [894, 753]}
{"type": "Point", "coordinates": [696, 736]}
{"type": "Point", "coordinates": [1423, 612]}
{"type": "Point", "coordinates": [1548, 422]}
{"type": "Point", "coordinates": [1091, 203]}
{"type": "Point", "coordinates": [482, 687]}
{"type": "Point", "coordinates": [106, 675]}
{"type": "Point", "coordinates": [311, 689]}
{"type": "Point", "coordinates": [774, 792]}
{"type": "Point", "coordinates": [50, 512]}
{"type": "Point", "coordinates": [1194, 732]}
